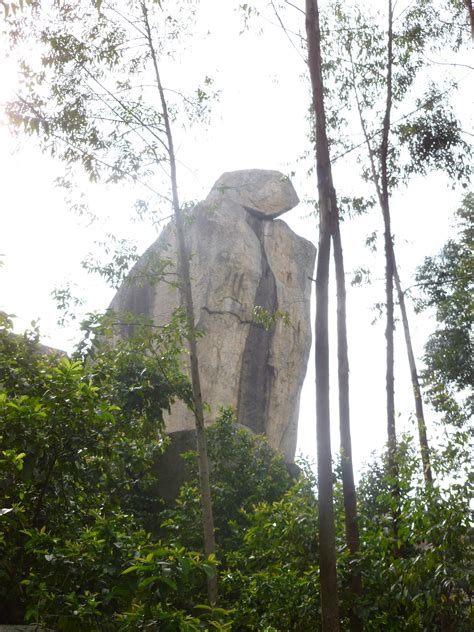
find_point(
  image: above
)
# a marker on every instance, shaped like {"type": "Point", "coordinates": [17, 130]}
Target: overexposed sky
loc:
{"type": "Point", "coordinates": [260, 121]}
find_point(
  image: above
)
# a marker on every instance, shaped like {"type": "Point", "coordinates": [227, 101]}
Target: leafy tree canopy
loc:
{"type": "Point", "coordinates": [446, 284]}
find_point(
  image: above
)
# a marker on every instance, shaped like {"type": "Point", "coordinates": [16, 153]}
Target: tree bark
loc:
{"type": "Point", "coordinates": [186, 291]}
{"type": "Point", "coordinates": [420, 415]}
{"type": "Point", "coordinates": [384, 200]}
{"type": "Point", "coordinates": [389, 262]}
{"type": "Point", "coordinates": [470, 10]}
{"type": "Point", "coordinates": [327, 538]}
{"type": "Point", "coordinates": [392, 461]}
{"type": "Point", "coordinates": [389, 336]}
{"type": "Point", "coordinates": [381, 183]}
{"type": "Point", "coordinates": [347, 469]}
{"type": "Point", "coordinates": [327, 208]}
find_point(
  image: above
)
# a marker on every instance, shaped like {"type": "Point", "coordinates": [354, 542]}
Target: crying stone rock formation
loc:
{"type": "Point", "coordinates": [241, 258]}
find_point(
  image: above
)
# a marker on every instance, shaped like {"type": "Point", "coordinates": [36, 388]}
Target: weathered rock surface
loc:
{"type": "Point", "coordinates": [262, 193]}
{"type": "Point", "coordinates": [240, 259]}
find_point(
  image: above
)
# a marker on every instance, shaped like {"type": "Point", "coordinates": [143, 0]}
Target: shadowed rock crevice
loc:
{"type": "Point", "coordinates": [256, 374]}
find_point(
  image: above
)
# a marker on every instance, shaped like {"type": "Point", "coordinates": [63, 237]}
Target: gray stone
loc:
{"type": "Point", "coordinates": [239, 260]}
{"type": "Point", "coordinates": [265, 193]}
{"type": "Point", "coordinates": [172, 470]}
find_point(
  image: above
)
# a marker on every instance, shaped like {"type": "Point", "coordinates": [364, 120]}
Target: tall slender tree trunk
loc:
{"type": "Point", "coordinates": [384, 201]}
{"type": "Point", "coordinates": [389, 336]}
{"type": "Point", "coordinates": [420, 415]}
{"type": "Point", "coordinates": [381, 182]}
{"type": "Point", "coordinates": [393, 470]}
{"type": "Point", "coordinates": [328, 227]}
{"type": "Point", "coordinates": [186, 290]}
{"type": "Point", "coordinates": [389, 261]}
{"type": "Point", "coordinates": [327, 538]}
{"type": "Point", "coordinates": [347, 469]}
{"type": "Point", "coordinates": [470, 10]}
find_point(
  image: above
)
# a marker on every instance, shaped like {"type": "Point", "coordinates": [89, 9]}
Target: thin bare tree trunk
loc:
{"type": "Point", "coordinates": [347, 469]}
{"type": "Point", "coordinates": [186, 290]}
{"type": "Point", "coordinates": [424, 447]}
{"type": "Point", "coordinates": [327, 538]}
{"type": "Point", "coordinates": [327, 208]}
{"type": "Point", "coordinates": [380, 179]}
{"type": "Point", "coordinates": [470, 10]}
{"type": "Point", "coordinates": [389, 336]}
{"type": "Point", "coordinates": [392, 461]}
{"type": "Point", "coordinates": [389, 267]}
{"type": "Point", "coordinates": [420, 415]}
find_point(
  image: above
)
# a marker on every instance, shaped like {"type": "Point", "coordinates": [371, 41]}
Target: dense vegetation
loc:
{"type": "Point", "coordinates": [87, 545]}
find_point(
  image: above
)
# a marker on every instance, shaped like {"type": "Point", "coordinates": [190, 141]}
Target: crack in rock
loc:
{"type": "Point", "coordinates": [256, 372]}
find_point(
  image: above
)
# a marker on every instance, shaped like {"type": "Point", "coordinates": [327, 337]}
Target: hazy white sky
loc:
{"type": "Point", "coordinates": [260, 121]}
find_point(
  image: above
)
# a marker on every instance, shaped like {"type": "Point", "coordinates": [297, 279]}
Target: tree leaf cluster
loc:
{"type": "Point", "coordinates": [446, 285]}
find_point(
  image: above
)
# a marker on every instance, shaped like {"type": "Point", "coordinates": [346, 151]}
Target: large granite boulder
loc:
{"type": "Point", "coordinates": [266, 194]}
{"type": "Point", "coordinates": [240, 258]}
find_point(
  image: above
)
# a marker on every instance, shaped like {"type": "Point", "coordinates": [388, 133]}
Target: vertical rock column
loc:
{"type": "Point", "coordinates": [241, 257]}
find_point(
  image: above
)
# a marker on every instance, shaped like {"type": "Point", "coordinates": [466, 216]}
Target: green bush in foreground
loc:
{"type": "Point", "coordinates": [77, 448]}
{"type": "Point", "coordinates": [76, 456]}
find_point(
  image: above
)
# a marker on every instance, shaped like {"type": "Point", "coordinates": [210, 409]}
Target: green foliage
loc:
{"type": "Point", "coordinates": [446, 282]}
{"type": "Point", "coordinates": [265, 531]}
{"type": "Point", "coordinates": [11, 8]}
{"type": "Point", "coordinates": [87, 96]}
{"type": "Point", "coordinates": [112, 576]}
{"type": "Point", "coordinates": [78, 439]}
{"type": "Point", "coordinates": [434, 140]}
{"type": "Point", "coordinates": [425, 134]}
{"type": "Point", "coordinates": [428, 585]}
{"type": "Point", "coordinates": [74, 581]}
{"type": "Point", "coordinates": [67, 303]}
{"type": "Point", "coordinates": [268, 320]}
{"type": "Point", "coordinates": [244, 472]}
{"type": "Point", "coordinates": [172, 576]}
{"type": "Point", "coordinates": [272, 578]}
{"type": "Point", "coordinates": [115, 271]}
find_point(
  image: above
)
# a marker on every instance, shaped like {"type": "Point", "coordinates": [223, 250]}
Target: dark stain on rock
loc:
{"type": "Point", "coordinates": [256, 372]}
{"type": "Point", "coordinates": [137, 299]}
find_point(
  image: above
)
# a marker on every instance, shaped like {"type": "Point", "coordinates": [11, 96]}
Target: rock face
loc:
{"type": "Point", "coordinates": [240, 258]}
{"type": "Point", "coordinates": [266, 194]}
